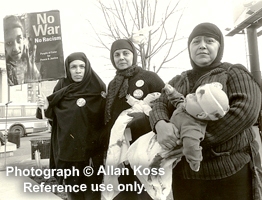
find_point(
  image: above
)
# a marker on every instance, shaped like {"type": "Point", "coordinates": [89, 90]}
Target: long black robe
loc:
{"type": "Point", "coordinates": [75, 127]}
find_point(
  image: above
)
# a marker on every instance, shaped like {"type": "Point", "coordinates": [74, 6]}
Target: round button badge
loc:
{"type": "Point", "coordinates": [138, 93]}
{"type": "Point", "coordinates": [81, 102]}
{"type": "Point", "coordinates": [140, 83]}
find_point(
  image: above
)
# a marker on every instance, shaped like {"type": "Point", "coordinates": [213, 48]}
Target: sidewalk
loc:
{"type": "Point", "coordinates": [14, 187]}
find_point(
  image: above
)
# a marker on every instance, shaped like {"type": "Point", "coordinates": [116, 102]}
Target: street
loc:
{"type": "Point", "coordinates": [23, 125]}
{"type": "Point", "coordinates": [14, 119]}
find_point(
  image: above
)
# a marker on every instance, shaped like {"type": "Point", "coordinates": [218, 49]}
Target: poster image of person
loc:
{"type": "Point", "coordinates": [33, 47]}
{"type": "Point", "coordinates": [20, 55]}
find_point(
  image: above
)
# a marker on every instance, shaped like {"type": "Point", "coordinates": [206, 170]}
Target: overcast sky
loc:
{"type": "Point", "coordinates": [78, 35]}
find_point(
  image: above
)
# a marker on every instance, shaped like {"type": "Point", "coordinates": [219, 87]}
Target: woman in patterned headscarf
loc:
{"type": "Point", "coordinates": [76, 112]}
{"type": "Point", "coordinates": [129, 79]}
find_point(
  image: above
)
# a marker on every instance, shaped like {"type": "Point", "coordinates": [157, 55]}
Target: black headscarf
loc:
{"type": "Point", "coordinates": [119, 85]}
{"type": "Point", "coordinates": [209, 30]}
{"type": "Point", "coordinates": [123, 44]}
{"type": "Point", "coordinates": [91, 85]}
{"type": "Point", "coordinates": [77, 124]}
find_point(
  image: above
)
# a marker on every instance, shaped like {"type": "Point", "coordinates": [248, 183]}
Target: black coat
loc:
{"type": "Point", "coordinates": [140, 84]}
{"type": "Point", "coordinates": [76, 127]}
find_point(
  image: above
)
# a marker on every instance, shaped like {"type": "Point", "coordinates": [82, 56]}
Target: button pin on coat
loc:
{"type": "Point", "coordinates": [81, 102]}
{"type": "Point", "coordinates": [140, 83]}
{"type": "Point", "coordinates": [138, 93]}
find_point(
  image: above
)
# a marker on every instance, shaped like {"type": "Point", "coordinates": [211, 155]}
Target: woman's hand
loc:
{"type": "Point", "coordinates": [42, 101]}
{"type": "Point", "coordinates": [167, 135]}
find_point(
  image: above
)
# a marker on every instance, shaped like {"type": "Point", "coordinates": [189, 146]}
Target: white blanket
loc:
{"type": "Point", "coordinates": [116, 153]}
{"type": "Point", "coordinates": [145, 155]}
{"type": "Point", "coordinates": [119, 141]}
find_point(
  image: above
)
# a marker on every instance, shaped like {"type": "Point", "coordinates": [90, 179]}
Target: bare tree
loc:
{"type": "Point", "coordinates": [145, 23]}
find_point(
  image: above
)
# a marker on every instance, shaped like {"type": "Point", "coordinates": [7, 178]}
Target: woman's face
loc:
{"type": "Point", "coordinates": [77, 70]}
{"type": "Point", "coordinates": [203, 50]}
{"type": "Point", "coordinates": [14, 43]}
{"type": "Point", "coordinates": [123, 58]}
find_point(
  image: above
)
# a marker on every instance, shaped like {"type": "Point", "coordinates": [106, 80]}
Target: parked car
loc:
{"type": "Point", "coordinates": [21, 118]}
{"type": "Point", "coordinates": [23, 126]}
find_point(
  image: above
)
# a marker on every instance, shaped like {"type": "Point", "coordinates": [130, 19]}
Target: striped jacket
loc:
{"type": "Point", "coordinates": [228, 141]}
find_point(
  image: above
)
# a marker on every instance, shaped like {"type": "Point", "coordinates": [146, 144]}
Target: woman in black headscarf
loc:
{"type": "Point", "coordinates": [129, 79]}
{"type": "Point", "coordinates": [76, 110]}
{"type": "Point", "coordinates": [229, 146]}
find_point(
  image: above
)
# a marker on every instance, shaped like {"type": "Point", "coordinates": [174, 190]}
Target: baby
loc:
{"type": "Point", "coordinates": [190, 117]}
{"type": "Point", "coordinates": [192, 113]}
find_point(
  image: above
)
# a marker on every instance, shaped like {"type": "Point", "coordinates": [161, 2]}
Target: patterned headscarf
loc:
{"type": "Point", "coordinates": [119, 85]}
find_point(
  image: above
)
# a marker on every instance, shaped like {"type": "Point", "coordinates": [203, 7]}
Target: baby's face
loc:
{"type": "Point", "coordinates": [192, 106]}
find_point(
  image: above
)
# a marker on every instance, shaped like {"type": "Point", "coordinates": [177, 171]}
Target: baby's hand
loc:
{"type": "Point", "coordinates": [168, 89]}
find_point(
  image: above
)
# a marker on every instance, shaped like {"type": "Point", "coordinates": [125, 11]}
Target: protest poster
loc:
{"type": "Point", "coordinates": [33, 47]}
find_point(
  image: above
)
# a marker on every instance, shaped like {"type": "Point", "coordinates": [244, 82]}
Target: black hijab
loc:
{"type": "Point", "coordinates": [119, 85]}
{"type": "Point", "coordinates": [209, 30]}
{"type": "Point", "coordinates": [67, 88]}
{"type": "Point", "coordinates": [123, 44]}
{"type": "Point", "coordinates": [79, 109]}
